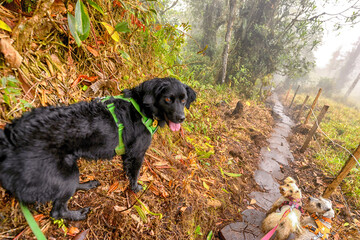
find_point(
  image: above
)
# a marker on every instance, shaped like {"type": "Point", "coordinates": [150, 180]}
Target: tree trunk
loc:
{"type": "Point", "coordinates": [353, 85]}
{"type": "Point", "coordinates": [225, 55]}
{"type": "Point", "coordinates": [212, 20]}
{"type": "Point", "coordinates": [348, 67]}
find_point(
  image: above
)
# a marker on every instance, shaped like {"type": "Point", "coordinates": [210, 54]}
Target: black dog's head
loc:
{"type": "Point", "coordinates": [163, 99]}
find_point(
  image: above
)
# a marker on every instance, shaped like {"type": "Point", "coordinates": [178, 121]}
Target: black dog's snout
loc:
{"type": "Point", "coordinates": [180, 118]}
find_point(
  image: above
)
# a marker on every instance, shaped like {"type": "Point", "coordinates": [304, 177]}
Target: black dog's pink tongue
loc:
{"type": "Point", "coordinates": [174, 126]}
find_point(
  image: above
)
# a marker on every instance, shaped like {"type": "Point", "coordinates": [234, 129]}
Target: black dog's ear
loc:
{"type": "Point", "coordinates": [191, 94]}
{"type": "Point", "coordinates": [149, 99]}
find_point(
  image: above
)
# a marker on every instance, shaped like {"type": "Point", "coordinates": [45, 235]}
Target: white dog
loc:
{"type": "Point", "coordinates": [318, 225]}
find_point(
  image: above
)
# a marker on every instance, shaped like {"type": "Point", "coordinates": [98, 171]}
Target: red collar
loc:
{"type": "Point", "coordinates": [294, 204]}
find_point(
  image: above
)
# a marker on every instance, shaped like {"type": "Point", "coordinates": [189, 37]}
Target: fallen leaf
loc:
{"type": "Point", "coordinates": [183, 209]}
{"type": "Point", "coordinates": [82, 235]}
{"type": "Point", "coordinates": [4, 26]}
{"type": "Point", "coordinates": [356, 221]}
{"type": "Point", "coordinates": [114, 34]}
{"type": "Point", "coordinates": [12, 57]}
{"type": "Point", "coordinates": [87, 178]}
{"type": "Point", "coordinates": [252, 201]}
{"type": "Point", "coordinates": [206, 186]}
{"type": "Point", "coordinates": [72, 231]}
{"type": "Point", "coordinates": [39, 217]}
{"type": "Point", "coordinates": [136, 218]}
{"type": "Point", "coordinates": [214, 203]}
{"type": "Point", "coordinates": [92, 51]}
{"type": "Point", "coordinates": [113, 187]}
{"type": "Point", "coordinates": [123, 210]}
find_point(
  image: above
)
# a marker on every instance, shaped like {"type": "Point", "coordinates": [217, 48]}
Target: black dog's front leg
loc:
{"type": "Point", "coordinates": [88, 185]}
{"type": "Point", "coordinates": [132, 166]}
{"type": "Point", "coordinates": [60, 210]}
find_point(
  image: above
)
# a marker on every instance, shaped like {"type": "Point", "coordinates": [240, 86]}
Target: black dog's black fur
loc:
{"type": "Point", "coordinates": [38, 152]}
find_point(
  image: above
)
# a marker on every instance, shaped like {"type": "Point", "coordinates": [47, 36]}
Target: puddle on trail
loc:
{"type": "Point", "coordinates": [277, 153]}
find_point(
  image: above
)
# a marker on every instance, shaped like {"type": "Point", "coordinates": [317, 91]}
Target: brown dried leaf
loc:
{"type": "Point", "coordinates": [72, 231]}
{"type": "Point", "coordinates": [39, 217]}
{"type": "Point", "coordinates": [113, 187]}
{"type": "Point", "coordinates": [92, 51]}
{"type": "Point", "coordinates": [214, 203]}
{"type": "Point", "coordinates": [12, 57]}
{"type": "Point", "coordinates": [122, 209]}
{"type": "Point", "coordinates": [82, 235]}
{"type": "Point", "coordinates": [25, 86]}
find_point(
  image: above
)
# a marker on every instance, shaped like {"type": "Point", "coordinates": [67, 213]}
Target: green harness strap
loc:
{"type": "Point", "coordinates": [32, 223]}
{"type": "Point", "coordinates": [150, 124]}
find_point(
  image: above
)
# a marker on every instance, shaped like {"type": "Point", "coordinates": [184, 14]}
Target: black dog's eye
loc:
{"type": "Point", "coordinates": [318, 205]}
{"type": "Point", "coordinates": [183, 100]}
{"type": "Point", "coordinates": [168, 100]}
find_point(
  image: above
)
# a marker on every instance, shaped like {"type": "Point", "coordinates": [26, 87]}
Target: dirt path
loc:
{"type": "Point", "coordinates": [273, 157]}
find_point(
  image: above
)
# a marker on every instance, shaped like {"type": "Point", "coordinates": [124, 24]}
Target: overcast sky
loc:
{"type": "Point", "coordinates": [345, 38]}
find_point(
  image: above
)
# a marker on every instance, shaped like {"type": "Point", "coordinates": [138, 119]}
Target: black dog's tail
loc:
{"type": "Point", "coordinates": [4, 144]}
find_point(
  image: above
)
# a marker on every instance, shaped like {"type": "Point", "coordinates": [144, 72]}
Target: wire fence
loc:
{"type": "Point", "coordinates": [331, 140]}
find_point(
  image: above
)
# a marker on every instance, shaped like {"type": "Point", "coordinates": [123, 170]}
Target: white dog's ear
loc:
{"type": "Point", "coordinates": [289, 180]}
{"type": "Point", "coordinates": [329, 214]}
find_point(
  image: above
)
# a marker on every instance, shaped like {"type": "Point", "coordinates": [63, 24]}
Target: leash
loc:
{"type": "Point", "coordinates": [32, 223]}
{"type": "Point", "coordinates": [293, 203]}
{"type": "Point", "coordinates": [272, 231]}
{"type": "Point", "coordinates": [321, 231]}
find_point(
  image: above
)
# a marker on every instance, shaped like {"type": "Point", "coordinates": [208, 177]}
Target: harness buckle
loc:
{"type": "Point", "coordinates": [319, 235]}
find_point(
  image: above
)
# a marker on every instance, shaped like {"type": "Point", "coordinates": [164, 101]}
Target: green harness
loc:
{"type": "Point", "coordinates": [150, 124]}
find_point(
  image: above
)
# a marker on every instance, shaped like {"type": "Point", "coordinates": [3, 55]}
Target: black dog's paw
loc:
{"type": "Point", "coordinates": [136, 188]}
{"type": "Point", "coordinates": [77, 215]}
{"type": "Point", "coordinates": [88, 185]}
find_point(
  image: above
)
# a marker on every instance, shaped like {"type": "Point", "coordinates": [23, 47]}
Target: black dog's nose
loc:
{"type": "Point", "coordinates": [180, 118]}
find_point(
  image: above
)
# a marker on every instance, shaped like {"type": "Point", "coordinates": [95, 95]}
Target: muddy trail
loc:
{"type": "Point", "coordinates": [272, 159]}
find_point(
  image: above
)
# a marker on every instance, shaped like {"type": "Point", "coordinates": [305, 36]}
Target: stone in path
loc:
{"type": "Point", "coordinates": [272, 167]}
{"type": "Point", "coordinates": [266, 181]}
{"type": "Point", "coordinates": [273, 154]}
{"type": "Point", "coordinates": [241, 231]}
{"type": "Point", "coordinates": [265, 200]}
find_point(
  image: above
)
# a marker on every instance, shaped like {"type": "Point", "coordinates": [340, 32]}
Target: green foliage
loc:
{"type": "Point", "coordinates": [122, 27]}
{"type": "Point", "coordinates": [328, 85]}
{"type": "Point", "coordinates": [61, 224]}
{"type": "Point", "coordinates": [79, 24]}
{"type": "Point", "coordinates": [12, 93]}
{"type": "Point", "coordinates": [96, 6]}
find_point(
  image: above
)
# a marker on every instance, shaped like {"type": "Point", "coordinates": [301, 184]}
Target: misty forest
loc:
{"type": "Point", "coordinates": [277, 87]}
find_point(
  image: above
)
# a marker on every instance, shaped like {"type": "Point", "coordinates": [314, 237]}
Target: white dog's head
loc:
{"type": "Point", "coordinates": [289, 189]}
{"type": "Point", "coordinates": [321, 205]}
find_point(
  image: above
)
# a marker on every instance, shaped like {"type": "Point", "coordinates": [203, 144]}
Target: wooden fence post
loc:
{"type": "Point", "coordinates": [302, 107]}
{"type": "Point", "coordinates": [287, 94]}
{"type": "Point", "coordinates": [350, 163]}
{"type": "Point", "coordinates": [313, 129]}
{"type": "Point", "coordinates": [297, 89]}
{"type": "Point", "coordinates": [313, 106]}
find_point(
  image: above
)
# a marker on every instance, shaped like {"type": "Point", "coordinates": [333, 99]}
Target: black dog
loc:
{"type": "Point", "coordinates": [38, 152]}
